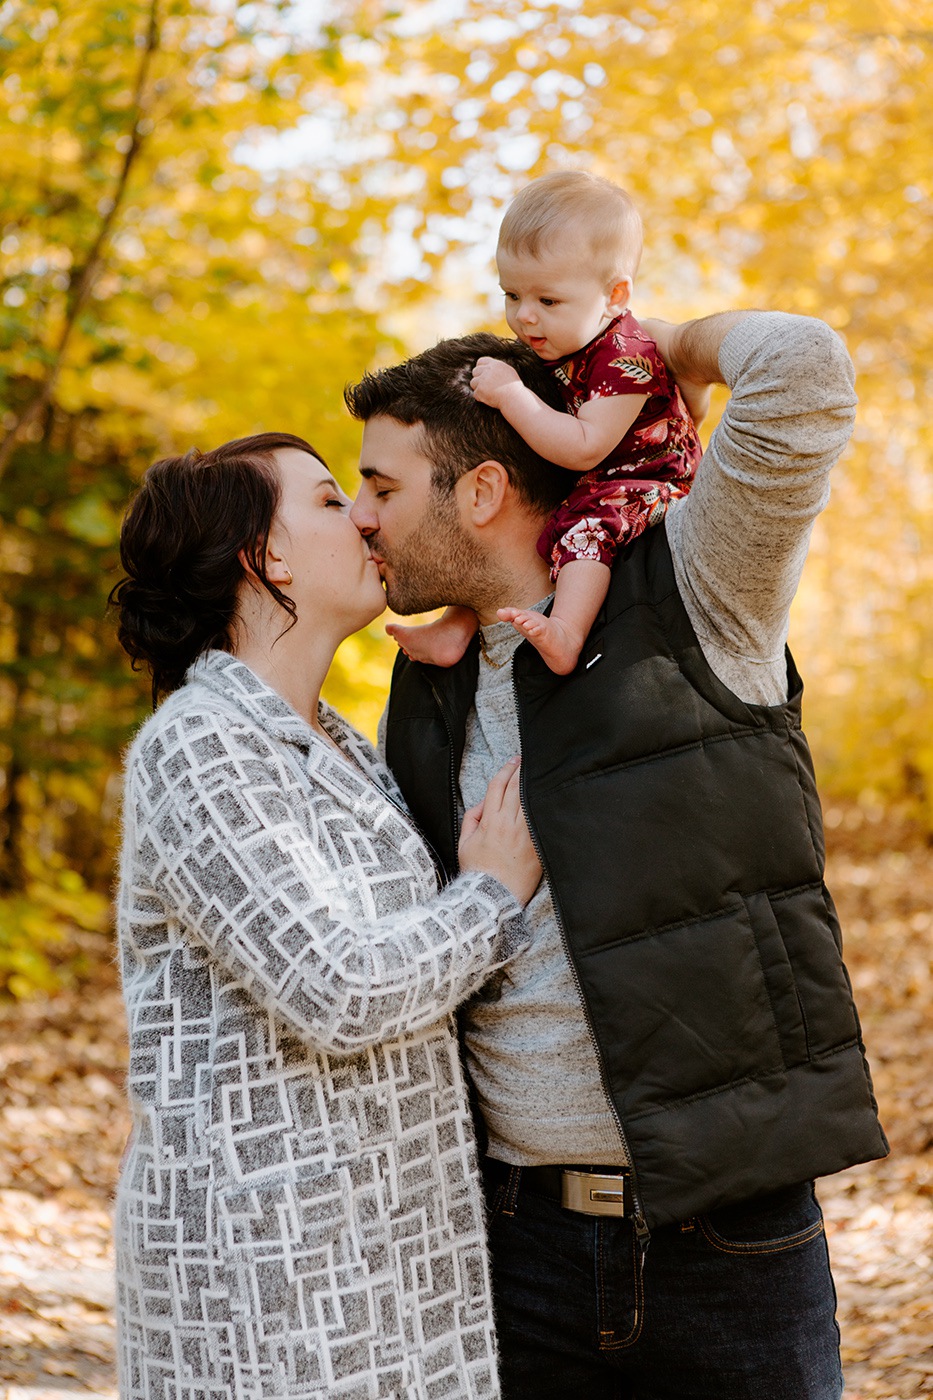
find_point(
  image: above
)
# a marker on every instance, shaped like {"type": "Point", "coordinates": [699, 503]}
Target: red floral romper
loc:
{"type": "Point", "coordinates": [651, 466]}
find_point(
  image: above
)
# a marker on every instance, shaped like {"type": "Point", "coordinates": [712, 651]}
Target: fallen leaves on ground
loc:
{"type": "Point", "coordinates": [880, 1216]}
{"type": "Point", "coordinates": [63, 1125]}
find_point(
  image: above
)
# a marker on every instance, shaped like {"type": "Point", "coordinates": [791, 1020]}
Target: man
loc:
{"type": "Point", "coordinates": [677, 1055]}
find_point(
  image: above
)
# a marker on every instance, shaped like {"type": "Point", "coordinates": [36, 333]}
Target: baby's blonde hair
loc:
{"type": "Point", "coordinates": [573, 198]}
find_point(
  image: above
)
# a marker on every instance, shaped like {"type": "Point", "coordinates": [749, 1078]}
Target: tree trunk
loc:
{"type": "Point", "coordinates": [12, 874]}
{"type": "Point", "coordinates": [85, 276]}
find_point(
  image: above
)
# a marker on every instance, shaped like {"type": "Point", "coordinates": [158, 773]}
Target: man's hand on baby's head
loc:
{"type": "Point", "coordinates": [491, 378]}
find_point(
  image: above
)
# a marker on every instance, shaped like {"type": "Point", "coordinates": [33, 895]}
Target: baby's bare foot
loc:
{"type": "Point", "coordinates": [440, 643]}
{"type": "Point", "coordinates": [558, 643]}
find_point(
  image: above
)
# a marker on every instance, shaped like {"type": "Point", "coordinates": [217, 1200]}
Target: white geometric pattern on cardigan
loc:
{"type": "Point", "coordinates": [298, 1213]}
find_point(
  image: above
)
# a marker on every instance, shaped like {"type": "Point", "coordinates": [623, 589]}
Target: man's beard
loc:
{"type": "Point", "coordinates": [438, 564]}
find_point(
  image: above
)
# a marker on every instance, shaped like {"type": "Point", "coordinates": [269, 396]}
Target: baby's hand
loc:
{"type": "Point", "coordinates": [490, 379]}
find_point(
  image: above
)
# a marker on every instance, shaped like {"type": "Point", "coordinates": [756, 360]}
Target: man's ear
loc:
{"type": "Point", "coordinates": [482, 492]}
{"type": "Point", "coordinates": [619, 294]}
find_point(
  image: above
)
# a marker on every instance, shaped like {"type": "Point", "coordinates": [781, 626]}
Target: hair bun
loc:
{"type": "Point", "coordinates": [158, 630]}
{"type": "Point", "coordinates": [183, 537]}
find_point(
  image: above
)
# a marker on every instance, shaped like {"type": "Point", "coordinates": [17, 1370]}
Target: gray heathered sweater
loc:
{"type": "Point", "coordinates": [739, 542]}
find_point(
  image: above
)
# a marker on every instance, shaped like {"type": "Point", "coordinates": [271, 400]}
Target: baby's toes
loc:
{"type": "Point", "coordinates": [532, 624]}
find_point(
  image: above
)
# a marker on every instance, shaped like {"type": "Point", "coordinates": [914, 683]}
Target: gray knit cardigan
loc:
{"type": "Point", "coordinates": [298, 1213]}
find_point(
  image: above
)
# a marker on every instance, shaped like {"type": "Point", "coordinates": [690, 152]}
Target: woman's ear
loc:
{"type": "Point", "coordinates": [482, 492]}
{"type": "Point", "coordinates": [277, 570]}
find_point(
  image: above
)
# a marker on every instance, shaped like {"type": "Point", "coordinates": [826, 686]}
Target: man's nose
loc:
{"type": "Point", "coordinates": [363, 516]}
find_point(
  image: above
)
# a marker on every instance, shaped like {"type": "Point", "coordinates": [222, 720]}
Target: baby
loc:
{"type": "Point", "coordinates": [569, 248]}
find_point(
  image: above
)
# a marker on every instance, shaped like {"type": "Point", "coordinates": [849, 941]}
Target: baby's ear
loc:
{"type": "Point", "coordinates": [620, 293]}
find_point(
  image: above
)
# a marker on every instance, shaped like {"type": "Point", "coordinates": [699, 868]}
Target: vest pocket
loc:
{"type": "Point", "coordinates": [810, 934]}
{"type": "Point", "coordinates": [691, 1008]}
{"type": "Point", "coordinates": [789, 1017]}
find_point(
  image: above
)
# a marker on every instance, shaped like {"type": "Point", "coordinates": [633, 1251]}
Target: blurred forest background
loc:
{"type": "Point", "coordinates": [214, 214]}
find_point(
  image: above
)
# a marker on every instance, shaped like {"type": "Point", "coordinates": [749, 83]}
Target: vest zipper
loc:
{"type": "Point", "coordinates": [642, 1233]}
{"type": "Point", "coordinates": [454, 792]}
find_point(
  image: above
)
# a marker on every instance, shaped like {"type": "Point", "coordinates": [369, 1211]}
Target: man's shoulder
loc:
{"type": "Point", "coordinates": [407, 677]}
{"type": "Point", "coordinates": [412, 693]}
{"type": "Point", "coordinates": [642, 574]}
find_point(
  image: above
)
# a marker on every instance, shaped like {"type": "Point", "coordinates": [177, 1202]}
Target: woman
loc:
{"type": "Point", "coordinates": [298, 1213]}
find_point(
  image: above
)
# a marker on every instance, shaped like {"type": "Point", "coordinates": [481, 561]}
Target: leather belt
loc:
{"type": "Point", "coordinates": [587, 1190]}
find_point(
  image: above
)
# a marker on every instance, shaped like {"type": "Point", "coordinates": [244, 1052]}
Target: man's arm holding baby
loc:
{"type": "Point", "coordinates": [579, 442]}
{"type": "Point", "coordinates": [740, 539]}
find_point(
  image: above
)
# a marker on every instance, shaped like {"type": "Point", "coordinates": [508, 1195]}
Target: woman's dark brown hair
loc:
{"type": "Point", "coordinates": [180, 545]}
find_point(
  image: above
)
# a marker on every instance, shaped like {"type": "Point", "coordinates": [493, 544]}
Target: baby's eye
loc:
{"type": "Point", "coordinates": [511, 296]}
{"type": "Point", "coordinates": [547, 301]}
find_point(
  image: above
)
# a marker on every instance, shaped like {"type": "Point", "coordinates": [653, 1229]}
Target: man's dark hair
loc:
{"type": "Point", "coordinates": [433, 389]}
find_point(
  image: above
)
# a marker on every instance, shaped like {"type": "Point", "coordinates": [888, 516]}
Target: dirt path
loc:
{"type": "Point", "coordinates": [880, 1216]}
{"type": "Point", "coordinates": [62, 1128]}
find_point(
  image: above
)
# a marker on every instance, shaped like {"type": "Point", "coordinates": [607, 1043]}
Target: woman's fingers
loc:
{"type": "Point", "coordinates": [495, 793]}
{"type": "Point", "coordinates": [495, 836]}
{"type": "Point", "coordinates": [513, 786]}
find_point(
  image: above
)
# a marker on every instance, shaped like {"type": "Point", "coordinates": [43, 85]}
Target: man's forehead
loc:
{"type": "Point", "coordinates": [393, 449]}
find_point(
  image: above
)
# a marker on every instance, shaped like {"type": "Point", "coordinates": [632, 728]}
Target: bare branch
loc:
{"type": "Point", "coordinates": [83, 283]}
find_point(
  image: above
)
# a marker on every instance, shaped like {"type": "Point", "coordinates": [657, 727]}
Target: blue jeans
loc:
{"type": "Point", "coordinates": [735, 1305]}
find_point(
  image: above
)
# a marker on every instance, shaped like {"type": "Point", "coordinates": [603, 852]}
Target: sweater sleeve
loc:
{"type": "Point", "coordinates": [740, 539]}
{"type": "Point", "coordinates": [227, 842]}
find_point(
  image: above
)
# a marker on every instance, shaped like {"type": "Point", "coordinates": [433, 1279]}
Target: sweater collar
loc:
{"type": "Point", "coordinates": [231, 678]}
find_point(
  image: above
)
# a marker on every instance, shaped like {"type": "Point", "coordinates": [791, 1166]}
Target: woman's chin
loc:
{"type": "Point", "coordinates": [376, 609]}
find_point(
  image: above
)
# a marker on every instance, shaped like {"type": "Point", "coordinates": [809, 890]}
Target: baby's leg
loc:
{"type": "Point", "coordinates": [582, 585]}
{"type": "Point", "coordinates": [440, 643]}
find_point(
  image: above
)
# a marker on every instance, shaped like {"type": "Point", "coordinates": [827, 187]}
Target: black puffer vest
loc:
{"type": "Point", "coordinates": [681, 836]}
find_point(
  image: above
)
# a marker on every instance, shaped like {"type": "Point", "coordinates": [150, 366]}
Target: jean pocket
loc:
{"type": "Point", "coordinates": [772, 1224]}
{"type": "Point", "coordinates": [495, 1196]}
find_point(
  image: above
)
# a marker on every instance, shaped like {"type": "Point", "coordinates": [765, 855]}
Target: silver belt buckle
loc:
{"type": "Point", "coordinates": [592, 1193]}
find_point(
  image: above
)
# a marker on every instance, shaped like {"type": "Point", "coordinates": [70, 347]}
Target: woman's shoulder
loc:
{"type": "Point", "coordinates": [199, 725]}
{"type": "Point", "coordinates": [225, 718]}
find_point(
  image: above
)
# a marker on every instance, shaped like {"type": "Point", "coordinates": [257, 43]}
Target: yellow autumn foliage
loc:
{"type": "Point", "coordinates": [214, 214]}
